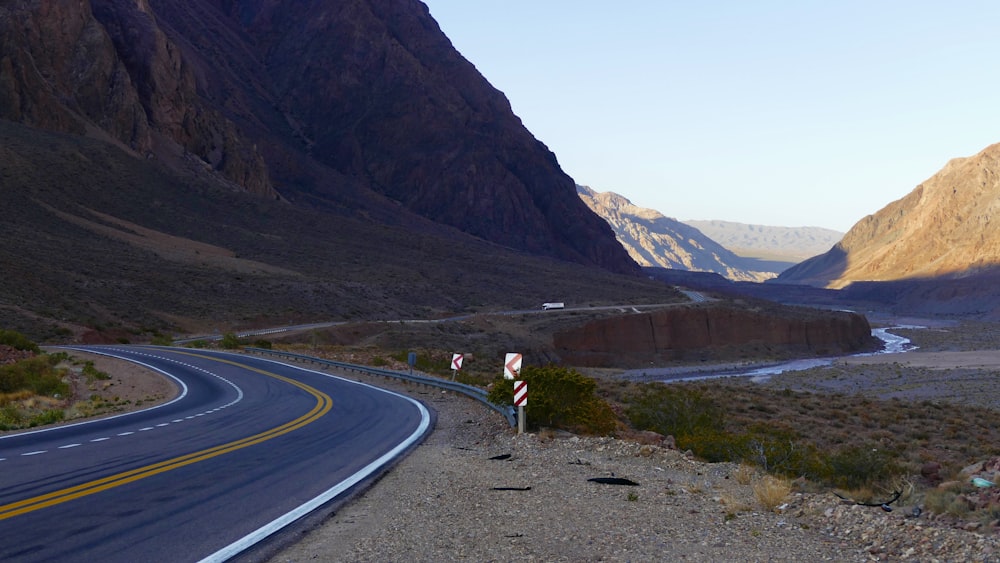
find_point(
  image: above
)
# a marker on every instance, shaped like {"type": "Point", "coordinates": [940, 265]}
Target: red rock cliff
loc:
{"type": "Point", "coordinates": [713, 331]}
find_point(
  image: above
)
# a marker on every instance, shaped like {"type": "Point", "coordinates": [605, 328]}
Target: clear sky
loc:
{"type": "Point", "coordinates": [784, 113]}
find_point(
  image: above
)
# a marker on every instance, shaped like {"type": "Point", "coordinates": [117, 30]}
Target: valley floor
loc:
{"type": "Point", "coordinates": [448, 501]}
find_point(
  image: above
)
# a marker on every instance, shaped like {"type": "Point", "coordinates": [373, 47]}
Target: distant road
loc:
{"type": "Point", "coordinates": [694, 296]}
{"type": "Point", "coordinates": [249, 446]}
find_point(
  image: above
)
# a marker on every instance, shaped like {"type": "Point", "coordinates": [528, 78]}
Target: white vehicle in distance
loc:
{"type": "Point", "coordinates": [547, 306]}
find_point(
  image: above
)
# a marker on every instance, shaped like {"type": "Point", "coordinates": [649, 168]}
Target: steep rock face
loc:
{"type": "Point", "coordinates": [712, 331]}
{"type": "Point", "coordinates": [59, 71]}
{"type": "Point", "coordinates": [652, 239]}
{"type": "Point", "coordinates": [358, 106]}
{"type": "Point", "coordinates": [379, 93]}
{"type": "Point", "coordinates": [110, 72]}
{"type": "Point", "coordinates": [946, 227]}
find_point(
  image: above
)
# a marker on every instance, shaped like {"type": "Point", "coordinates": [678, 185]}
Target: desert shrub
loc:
{"type": "Point", "coordinates": [559, 397]}
{"type": "Point", "coordinates": [18, 341]}
{"type": "Point", "coordinates": [229, 341]}
{"type": "Point", "coordinates": [260, 343]}
{"type": "Point", "coordinates": [162, 340]}
{"type": "Point", "coordinates": [781, 451]}
{"type": "Point", "coordinates": [860, 466]}
{"type": "Point", "coordinates": [10, 417]}
{"type": "Point", "coordinates": [93, 373]}
{"type": "Point", "coordinates": [426, 362]}
{"type": "Point", "coordinates": [37, 375]}
{"type": "Point", "coordinates": [771, 491]}
{"type": "Point", "coordinates": [676, 411]}
{"type": "Point", "coordinates": [47, 417]}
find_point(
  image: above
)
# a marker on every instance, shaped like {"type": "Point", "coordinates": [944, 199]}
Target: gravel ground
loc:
{"type": "Point", "coordinates": [442, 503]}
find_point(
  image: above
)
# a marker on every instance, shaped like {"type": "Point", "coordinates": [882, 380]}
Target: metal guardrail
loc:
{"type": "Point", "coordinates": [467, 390]}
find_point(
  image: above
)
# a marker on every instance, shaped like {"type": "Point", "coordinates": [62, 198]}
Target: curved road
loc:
{"type": "Point", "coordinates": [248, 446]}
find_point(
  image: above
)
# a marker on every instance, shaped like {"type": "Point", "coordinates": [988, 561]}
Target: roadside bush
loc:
{"type": "Point", "coordinates": [18, 341]}
{"type": "Point", "coordinates": [37, 375]}
{"type": "Point", "coordinates": [426, 362]}
{"type": "Point", "coordinates": [559, 397]}
{"type": "Point", "coordinates": [47, 417]}
{"type": "Point", "coordinates": [676, 411]}
{"type": "Point", "coordinates": [229, 341]}
{"type": "Point", "coordinates": [92, 373]}
{"type": "Point", "coordinates": [161, 340]}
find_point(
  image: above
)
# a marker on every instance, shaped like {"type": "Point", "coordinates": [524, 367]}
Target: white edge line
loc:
{"type": "Point", "coordinates": [184, 392]}
{"type": "Point", "coordinates": [258, 535]}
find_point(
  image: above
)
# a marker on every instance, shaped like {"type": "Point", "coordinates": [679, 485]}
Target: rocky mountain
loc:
{"type": "Point", "coordinates": [787, 244]}
{"type": "Point", "coordinates": [652, 239]}
{"type": "Point", "coordinates": [945, 229]}
{"type": "Point", "coordinates": [195, 165]}
{"type": "Point", "coordinates": [358, 107]}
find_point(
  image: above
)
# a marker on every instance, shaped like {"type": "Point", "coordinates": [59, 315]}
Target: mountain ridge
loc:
{"type": "Point", "coordinates": [942, 229]}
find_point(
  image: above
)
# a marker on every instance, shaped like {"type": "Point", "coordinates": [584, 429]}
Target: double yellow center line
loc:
{"type": "Point", "coordinates": [323, 405]}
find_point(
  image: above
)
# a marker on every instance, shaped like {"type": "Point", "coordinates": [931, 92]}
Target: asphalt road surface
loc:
{"type": "Point", "coordinates": [248, 446]}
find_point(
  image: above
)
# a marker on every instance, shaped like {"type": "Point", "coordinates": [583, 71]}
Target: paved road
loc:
{"type": "Point", "coordinates": [248, 445]}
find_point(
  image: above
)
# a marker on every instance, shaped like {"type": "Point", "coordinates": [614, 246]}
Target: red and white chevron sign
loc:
{"type": "Point", "coordinates": [520, 393]}
{"type": "Point", "coordinates": [456, 361]}
{"type": "Point", "coordinates": [512, 366]}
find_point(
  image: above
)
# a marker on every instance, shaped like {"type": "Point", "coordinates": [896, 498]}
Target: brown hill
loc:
{"type": "Point", "coordinates": [362, 107]}
{"type": "Point", "coordinates": [944, 229]}
{"type": "Point", "coordinates": [653, 240]}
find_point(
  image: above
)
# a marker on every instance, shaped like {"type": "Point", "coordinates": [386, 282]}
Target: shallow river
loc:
{"type": "Point", "coordinates": [892, 344]}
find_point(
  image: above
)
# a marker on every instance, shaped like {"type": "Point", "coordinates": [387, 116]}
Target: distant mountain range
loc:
{"type": "Point", "coordinates": [783, 244]}
{"type": "Point", "coordinates": [654, 240]}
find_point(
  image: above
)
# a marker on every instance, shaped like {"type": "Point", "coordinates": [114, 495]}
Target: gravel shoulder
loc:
{"type": "Point", "coordinates": [441, 503]}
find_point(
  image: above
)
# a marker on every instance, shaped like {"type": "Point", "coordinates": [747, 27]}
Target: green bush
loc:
{"type": "Point", "coordinates": [229, 341]}
{"type": "Point", "coordinates": [93, 373]}
{"type": "Point", "coordinates": [676, 411]}
{"type": "Point", "coordinates": [48, 417]}
{"type": "Point", "coordinates": [559, 397]}
{"type": "Point", "coordinates": [37, 375]}
{"type": "Point", "coordinates": [859, 466]}
{"type": "Point", "coordinates": [161, 340]}
{"type": "Point", "coordinates": [18, 341]}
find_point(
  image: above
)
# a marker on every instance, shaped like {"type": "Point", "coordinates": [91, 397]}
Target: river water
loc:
{"type": "Point", "coordinates": [892, 344]}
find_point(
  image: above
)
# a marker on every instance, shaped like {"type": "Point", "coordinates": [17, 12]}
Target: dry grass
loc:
{"type": "Point", "coordinates": [771, 492]}
{"type": "Point", "coordinates": [745, 474]}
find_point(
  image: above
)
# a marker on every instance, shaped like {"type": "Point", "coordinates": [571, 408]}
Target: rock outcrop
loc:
{"type": "Point", "coordinates": [945, 228]}
{"type": "Point", "coordinates": [713, 331]}
{"type": "Point", "coordinates": [111, 73]}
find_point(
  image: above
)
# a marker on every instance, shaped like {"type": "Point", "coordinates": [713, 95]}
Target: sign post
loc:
{"type": "Point", "coordinates": [456, 364]}
{"type": "Point", "coordinates": [520, 401]}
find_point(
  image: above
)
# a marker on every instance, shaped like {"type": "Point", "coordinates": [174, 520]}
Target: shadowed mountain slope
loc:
{"type": "Point", "coordinates": [94, 237]}
{"type": "Point", "coordinates": [360, 107]}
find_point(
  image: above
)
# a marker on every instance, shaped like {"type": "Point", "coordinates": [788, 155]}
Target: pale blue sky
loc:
{"type": "Point", "coordinates": [796, 113]}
